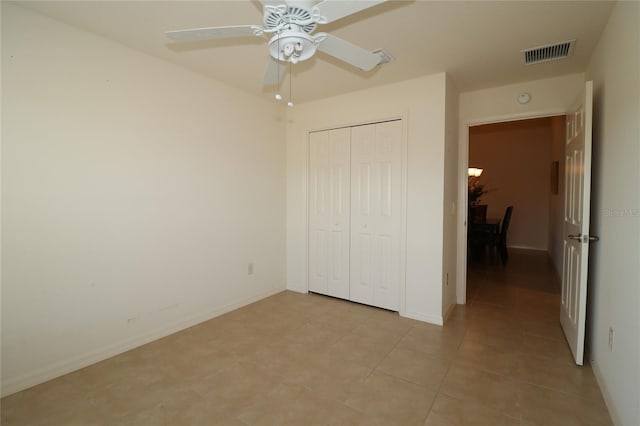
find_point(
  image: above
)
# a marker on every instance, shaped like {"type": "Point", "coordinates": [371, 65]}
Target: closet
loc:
{"type": "Point", "coordinates": [355, 213]}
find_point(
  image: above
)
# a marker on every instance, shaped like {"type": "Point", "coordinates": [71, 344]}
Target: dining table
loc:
{"type": "Point", "coordinates": [489, 227]}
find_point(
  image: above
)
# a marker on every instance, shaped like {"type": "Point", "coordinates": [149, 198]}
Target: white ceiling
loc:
{"type": "Point", "coordinates": [478, 43]}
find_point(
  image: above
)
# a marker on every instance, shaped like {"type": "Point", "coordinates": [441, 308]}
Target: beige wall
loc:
{"type": "Point", "coordinates": [614, 290]}
{"type": "Point", "coordinates": [421, 104]}
{"type": "Point", "coordinates": [515, 157]}
{"type": "Point", "coordinates": [134, 194]}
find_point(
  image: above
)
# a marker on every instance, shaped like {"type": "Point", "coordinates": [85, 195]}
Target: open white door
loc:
{"type": "Point", "coordinates": [576, 222]}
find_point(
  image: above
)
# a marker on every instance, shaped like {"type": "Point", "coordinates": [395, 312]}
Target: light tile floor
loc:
{"type": "Point", "coordinates": [296, 359]}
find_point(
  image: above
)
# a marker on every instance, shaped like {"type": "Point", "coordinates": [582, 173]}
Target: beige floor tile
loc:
{"type": "Point", "coordinates": [235, 387]}
{"type": "Point", "coordinates": [474, 385]}
{"type": "Point", "coordinates": [415, 367]}
{"type": "Point", "coordinates": [57, 402]}
{"type": "Point", "coordinates": [364, 350]}
{"type": "Point", "coordinates": [185, 408]}
{"type": "Point", "coordinates": [448, 411]}
{"type": "Point", "coordinates": [547, 349]}
{"type": "Point", "coordinates": [136, 394]}
{"type": "Point", "coordinates": [292, 405]}
{"type": "Point", "coordinates": [475, 354]}
{"type": "Point", "coordinates": [316, 336]}
{"type": "Point", "coordinates": [499, 336]}
{"type": "Point", "coordinates": [391, 400]}
{"type": "Point", "coordinates": [335, 378]}
{"type": "Point", "coordinates": [434, 340]}
{"type": "Point", "coordinates": [550, 329]}
{"type": "Point", "coordinates": [567, 378]}
{"type": "Point", "coordinates": [544, 407]}
{"type": "Point", "coordinates": [373, 330]}
{"type": "Point", "coordinates": [197, 362]}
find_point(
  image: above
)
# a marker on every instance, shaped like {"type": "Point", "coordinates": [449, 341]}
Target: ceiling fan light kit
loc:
{"type": "Point", "coordinates": [292, 24]}
{"type": "Point", "coordinates": [293, 46]}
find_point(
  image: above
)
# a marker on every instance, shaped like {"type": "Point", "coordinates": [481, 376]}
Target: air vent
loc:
{"type": "Point", "coordinates": [385, 57]}
{"type": "Point", "coordinates": [547, 53]}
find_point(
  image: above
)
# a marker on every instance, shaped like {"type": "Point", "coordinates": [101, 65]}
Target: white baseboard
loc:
{"type": "Point", "coordinates": [297, 289]}
{"type": "Point", "coordinates": [608, 400]}
{"type": "Point", "coordinates": [16, 384]}
{"type": "Point", "coordinates": [448, 312]}
{"type": "Point", "coordinates": [518, 246]}
{"type": "Point", "coordinates": [431, 319]}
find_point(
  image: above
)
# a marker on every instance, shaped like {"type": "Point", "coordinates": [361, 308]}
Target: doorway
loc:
{"type": "Point", "coordinates": [522, 164]}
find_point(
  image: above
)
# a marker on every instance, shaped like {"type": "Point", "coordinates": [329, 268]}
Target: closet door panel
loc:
{"type": "Point", "coordinates": [375, 214]}
{"type": "Point", "coordinates": [386, 291]}
{"type": "Point", "coordinates": [318, 211]}
{"type": "Point", "coordinates": [339, 161]}
{"type": "Point", "coordinates": [362, 214]}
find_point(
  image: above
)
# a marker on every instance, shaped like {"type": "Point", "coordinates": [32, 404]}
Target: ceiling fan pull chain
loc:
{"type": "Point", "coordinates": [278, 95]}
{"type": "Point", "coordinates": [290, 103]}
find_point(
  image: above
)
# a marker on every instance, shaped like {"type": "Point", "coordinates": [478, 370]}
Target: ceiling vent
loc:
{"type": "Point", "coordinates": [549, 52]}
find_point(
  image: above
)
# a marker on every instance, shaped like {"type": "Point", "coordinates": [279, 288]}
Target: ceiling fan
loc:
{"type": "Point", "coordinates": [291, 24]}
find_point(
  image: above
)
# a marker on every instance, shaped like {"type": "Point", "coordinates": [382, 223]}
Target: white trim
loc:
{"type": "Point", "coordinates": [448, 312]}
{"type": "Point", "coordinates": [16, 384]}
{"type": "Point", "coordinates": [512, 117]}
{"type": "Point", "coordinates": [606, 395]}
{"type": "Point", "coordinates": [404, 158]}
{"type": "Point", "coordinates": [431, 319]}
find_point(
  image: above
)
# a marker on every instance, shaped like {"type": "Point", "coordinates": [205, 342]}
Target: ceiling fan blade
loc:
{"type": "Point", "coordinates": [274, 73]}
{"type": "Point", "coordinates": [347, 52]}
{"type": "Point", "coordinates": [212, 33]}
{"type": "Point", "coordinates": [332, 10]}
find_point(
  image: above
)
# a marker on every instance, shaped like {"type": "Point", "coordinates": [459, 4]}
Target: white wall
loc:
{"type": "Point", "coordinates": [450, 205]}
{"type": "Point", "coordinates": [551, 96]}
{"type": "Point", "coordinates": [421, 104]}
{"type": "Point", "coordinates": [134, 194]}
{"type": "Point", "coordinates": [614, 290]}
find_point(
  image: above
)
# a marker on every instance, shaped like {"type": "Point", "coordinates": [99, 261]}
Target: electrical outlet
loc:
{"type": "Point", "coordinates": [611, 335]}
{"type": "Point", "coordinates": [132, 321]}
{"type": "Point", "coordinates": [250, 268]}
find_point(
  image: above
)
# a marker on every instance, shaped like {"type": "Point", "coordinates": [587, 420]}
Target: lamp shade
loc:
{"type": "Point", "coordinates": [474, 171]}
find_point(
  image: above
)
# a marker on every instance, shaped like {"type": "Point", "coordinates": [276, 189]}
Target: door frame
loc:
{"type": "Point", "coordinates": [463, 200]}
{"type": "Point", "coordinates": [403, 197]}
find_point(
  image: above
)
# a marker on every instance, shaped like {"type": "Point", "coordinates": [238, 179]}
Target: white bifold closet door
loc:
{"type": "Point", "coordinates": [375, 214]}
{"type": "Point", "coordinates": [329, 214]}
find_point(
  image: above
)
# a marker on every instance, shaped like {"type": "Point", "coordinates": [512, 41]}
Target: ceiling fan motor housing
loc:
{"type": "Point", "coordinates": [279, 17]}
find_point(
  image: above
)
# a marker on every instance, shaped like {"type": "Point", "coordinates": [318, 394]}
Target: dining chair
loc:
{"type": "Point", "coordinates": [502, 239]}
